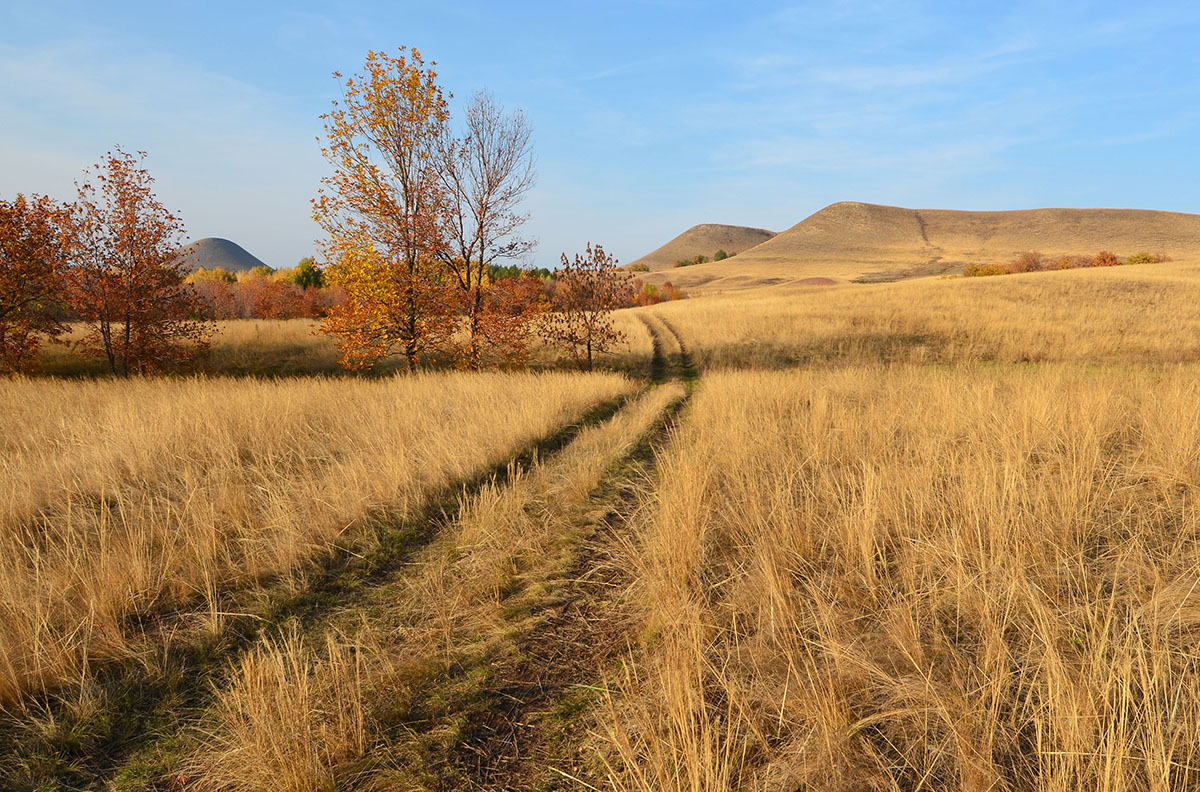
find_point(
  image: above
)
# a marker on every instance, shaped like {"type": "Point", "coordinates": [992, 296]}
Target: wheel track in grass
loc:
{"type": "Point", "coordinates": [529, 733]}
{"type": "Point", "coordinates": [513, 732]}
{"type": "Point", "coordinates": [152, 704]}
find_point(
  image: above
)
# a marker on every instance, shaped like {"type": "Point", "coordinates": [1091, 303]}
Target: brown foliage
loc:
{"type": "Point", "coordinates": [649, 294]}
{"type": "Point", "coordinates": [1106, 258]}
{"type": "Point", "coordinates": [589, 289]}
{"type": "Point", "coordinates": [507, 321]}
{"type": "Point", "coordinates": [1072, 262]}
{"type": "Point", "coordinates": [382, 208]}
{"type": "Point", "coordinates": [31, 264]}
{"type": "Point", "coordinates": [127, 278]}
{"type": "Point", "coordinates": [1027, 262]}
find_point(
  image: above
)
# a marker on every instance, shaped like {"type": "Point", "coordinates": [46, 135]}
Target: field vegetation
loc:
{"type": "Point", "coordinates": [130, 499]}
{"type": "Point", "coordinates": [928, 534]}
{"type": "Point", "coordinates": [1126, 315]}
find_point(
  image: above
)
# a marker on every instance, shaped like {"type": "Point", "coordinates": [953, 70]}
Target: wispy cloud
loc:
{"type": "Point", "coordinates": [229, 157]}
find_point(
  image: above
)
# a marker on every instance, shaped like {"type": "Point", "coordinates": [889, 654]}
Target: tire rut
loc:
{"type": "Point", "coordinates": [523, 735]}
{"type": "Point", "coordinates": [158, 703]}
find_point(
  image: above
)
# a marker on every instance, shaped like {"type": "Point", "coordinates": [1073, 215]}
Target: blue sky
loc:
{"type": "Point", "coordinates": [648, 117]}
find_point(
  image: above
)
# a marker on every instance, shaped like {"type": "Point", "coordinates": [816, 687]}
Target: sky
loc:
{"type": "Point", "coordinates": [648, 117]}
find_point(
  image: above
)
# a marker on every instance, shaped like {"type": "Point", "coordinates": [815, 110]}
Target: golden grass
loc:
{"type": "Point", "coordinates": [120, 498]}
{"type": "Point", "coordinates": [302, 716]}
{"type": "Point", "coordinates": [296, 347]}
{"type": "Point", "coordinates": [921, 578]}
{"type": "Point", "coordinates": [1130, 314]}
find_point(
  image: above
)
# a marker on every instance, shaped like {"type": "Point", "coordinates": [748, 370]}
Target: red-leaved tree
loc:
{"type": "Point", "coordinates": [32, 260]}
{"type": "Point", "coordinates": [127, 277]}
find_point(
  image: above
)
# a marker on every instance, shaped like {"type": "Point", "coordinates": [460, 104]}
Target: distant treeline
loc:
{"type": "Point", "coordinates": [300, 292]}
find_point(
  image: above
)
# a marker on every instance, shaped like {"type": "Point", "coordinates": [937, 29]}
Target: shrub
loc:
{"type": "Point", "coordinates": [1145, 257]}
{"type": "Point", "coordinates": [720, 255]}
{"type": "Point", "coordinates": [215, 274]}
{"type": "Point", "coordinates": [1106, 258]}
{"type": "Point", "coordinates": [643, 267]}
{"type": "Point", "coordinates": [1071, 262]}
{"type": "Point", "coordinates": [670, 291]}
{"type": "Point", "coordinates": [1027, 262]}
{"type": "Point", "coordinates": [982, 270]}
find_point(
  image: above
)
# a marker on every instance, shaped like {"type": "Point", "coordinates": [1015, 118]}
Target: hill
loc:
{"type": "Point", "coordinates": [859, 241]}
{"type": "Point", "coordinates": [704, 240]}
{"type": "Point", "coordinates": [216, 252]}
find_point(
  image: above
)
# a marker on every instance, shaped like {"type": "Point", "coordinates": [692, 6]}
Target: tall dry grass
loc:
{"type": "Point", "coordinates": [287, 347]}
{"type": "Point", "coordinates": [1114, 314]}
{"type": "Point", "coordinates": [126, 498]}
{"type": "Point", "coordinates": [921, 578]}
{"type": "Point", "coordinates": [305, 715]}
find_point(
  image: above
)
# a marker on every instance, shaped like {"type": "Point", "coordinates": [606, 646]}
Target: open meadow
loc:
{"type": "Point", "coordinates": [933, 534]}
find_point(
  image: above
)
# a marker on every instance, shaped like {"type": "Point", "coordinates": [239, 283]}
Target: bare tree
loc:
{"type": "Point", "coordinates": [487, 173]}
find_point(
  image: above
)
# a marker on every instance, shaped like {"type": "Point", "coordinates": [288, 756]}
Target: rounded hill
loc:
{"type": "Point", "coordinates": [703, 240]}
{"type": "Point", "coordinates": [212, 252]}
{"type": "Point", "coordinates": [860, 241]}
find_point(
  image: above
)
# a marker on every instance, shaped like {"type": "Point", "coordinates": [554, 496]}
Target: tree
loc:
{"type": "Point", "coordinates": [127, 277]}
{"type": "Point", "coordinates": [383, 209]}
{"type": "Point", "coordinates": [307, 275]}
{"type": "Point", "coordinates": [486, 174]}
{"type": "Point", "coordinates": [589, 289]}
{"type": "Point", "coordinates": [509, 321]}
{"type": "Point", "coordinates": [31, 278]}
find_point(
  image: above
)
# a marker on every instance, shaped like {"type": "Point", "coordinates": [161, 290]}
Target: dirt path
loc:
{"type": "Point", "coordinates": [132, 729]}
{"type": "Point", "coordinates": [505, 719]}
{"type": "Point", "coordinates": [529, 736]}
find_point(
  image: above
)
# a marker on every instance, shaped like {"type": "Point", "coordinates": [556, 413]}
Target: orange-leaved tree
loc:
{"type": "Point", "coordinates": [382, 209]}
{"type": "Point", "coordinates": [126, 277]}
{"type": "Point", "coordinates": [31, 278]}
{"type": "Point", "coordinates": [486, 174]}
{"type": "Point", "coordinates": [589, 289]}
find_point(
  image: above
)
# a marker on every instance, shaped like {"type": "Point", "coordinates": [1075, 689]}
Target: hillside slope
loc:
{"type": "Point", "coordinates": [213, 252]}
{"type": "Point", "coordinates": [851, 240]}
{"type": "Point", "coordinates": [704, 240]}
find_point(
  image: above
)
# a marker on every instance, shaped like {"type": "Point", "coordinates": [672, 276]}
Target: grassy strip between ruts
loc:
{"type": "Point", "coordinates": [384, 695]}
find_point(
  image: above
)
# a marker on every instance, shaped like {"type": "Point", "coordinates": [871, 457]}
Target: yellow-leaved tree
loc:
{"type": "Point", "coordinates": [383, 208]}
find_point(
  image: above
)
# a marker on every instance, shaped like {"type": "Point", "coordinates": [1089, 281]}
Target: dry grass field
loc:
{"type": "Point", "coordinates": [294, 347]}
{"type": "Point", "coordinates": [933, 534]}
{"type": "Point", "coordinates": [921, 577]}
{"type": "Point", "coordinates": [125, 499]}
{"type": "Point", "coordinates": [1131, 314]}
{"type": "Point", "coordinates": [849, 240]}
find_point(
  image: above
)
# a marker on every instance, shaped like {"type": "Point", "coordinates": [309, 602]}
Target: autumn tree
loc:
{"type": "Point", "coordinates": [127, 275]}
{"type": "Point", "coordinates": [383, 208]}
{"type": "Point", "coordinates": [590, 288]}
{"type": "Point", "coordinates": [31, 278]}
{"type": "Point", "coordinates": [486, 174]}
{"type": "Point", "coordinates": [307, 275]}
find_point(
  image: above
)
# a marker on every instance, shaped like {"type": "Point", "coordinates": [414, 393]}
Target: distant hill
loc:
{"type": "Point", "coordinates": [851, 240]}
{"type": "Point", "coordinates": [216, 252]}
{"type": "Point", "coordinates": [704, 240]}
